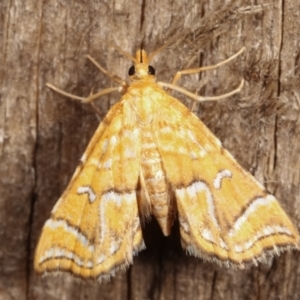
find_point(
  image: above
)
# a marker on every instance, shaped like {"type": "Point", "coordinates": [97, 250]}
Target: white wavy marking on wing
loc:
{"type": "Point", "coordinates": [192, 190]}
{"type": "Point", "coordinates": [87, 190]}
{"type": "Point", "coordinates": [198, 187]}
{"type": "Point", "coordinates": [220, 176]}
{"type": "Point", "coordinates": [57, 252]}
{"type": "Point", "coordinates": [266, 231]}
{"type": "Point", "coordinates": [117, 199]}
{"type": "Point", "coordinates": [54, 224]}
{"type": "Point", "coordinates": [255, 205]}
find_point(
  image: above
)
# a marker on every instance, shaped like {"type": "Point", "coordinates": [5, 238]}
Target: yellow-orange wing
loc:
{"type": "Point", "coordinates": [224, 213]}
{"type": "Point", "coordinates": [94, 228]}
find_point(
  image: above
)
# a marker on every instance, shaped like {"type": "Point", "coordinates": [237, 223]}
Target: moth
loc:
{"type": "Point", "coordinates": [152, 156]}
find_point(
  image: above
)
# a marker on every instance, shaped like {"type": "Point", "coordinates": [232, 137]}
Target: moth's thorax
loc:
{"type": "Point", "coordinates": [147, 80]}
{"type": "Point", "coordinates": [145, 97]}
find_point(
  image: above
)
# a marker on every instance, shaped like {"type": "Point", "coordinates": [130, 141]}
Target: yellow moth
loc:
{"type": "Point", "coordinates": [152, 156]}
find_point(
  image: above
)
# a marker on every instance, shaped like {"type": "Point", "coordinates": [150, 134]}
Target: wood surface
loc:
{"type": "Point", "coordinates": [43, 134]}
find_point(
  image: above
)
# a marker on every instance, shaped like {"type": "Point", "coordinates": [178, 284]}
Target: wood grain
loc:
{"type": "Point", "coordinates": [42, 134]}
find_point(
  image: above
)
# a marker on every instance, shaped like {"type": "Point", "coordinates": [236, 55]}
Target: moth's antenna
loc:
{"type": "Point", "coordinates": [119, 49]}
{"type": "Point", "coordinates": [170, 41]}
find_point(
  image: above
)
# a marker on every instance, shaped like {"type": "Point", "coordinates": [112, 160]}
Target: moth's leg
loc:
{"type": "Point", "coordinates": [88, 99]}
{"type": "Point", "coordinates": [114, 78]}
{"type": "Point", "coordinates": [122, 88]}
{"type": "Point", "coordinates": [178, 75]}
{"type": "Point", "coordinates": [198, 70]}
{"type": "Point", "coordinates": [200, 98]}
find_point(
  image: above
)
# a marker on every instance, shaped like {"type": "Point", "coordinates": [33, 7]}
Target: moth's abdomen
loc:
{"type": "Point", "coordinates": [155, 187]}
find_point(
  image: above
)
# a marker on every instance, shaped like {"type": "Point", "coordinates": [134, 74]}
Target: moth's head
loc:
{"type": "Point", "coordinates": [141, 68]}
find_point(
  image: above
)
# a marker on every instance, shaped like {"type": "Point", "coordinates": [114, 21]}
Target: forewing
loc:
{"type": "Point", "coordinates": [94, 228]}
{"type": "Point", "coordinates": [224, 213]}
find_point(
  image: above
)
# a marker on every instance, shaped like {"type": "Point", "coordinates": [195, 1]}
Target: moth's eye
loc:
{"type": "Point", "coordinates": [131, 71]}
{"type": "Point", "coordinates": [151, 70]}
